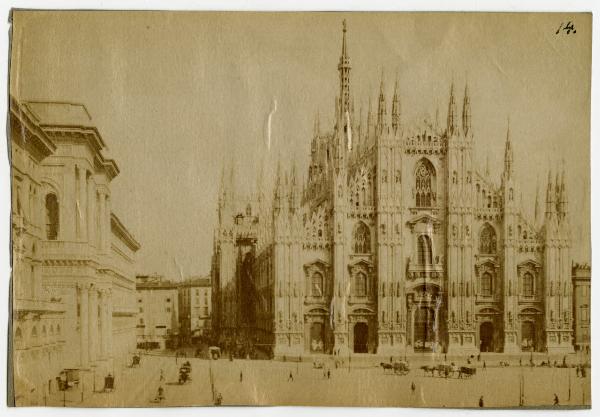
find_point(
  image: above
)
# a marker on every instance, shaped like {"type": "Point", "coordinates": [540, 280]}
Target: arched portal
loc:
{"type": "Point", "coordinates": [317, 337]}
{"type": "Point", "coordinates": [361, 337]}
{"type": "Point", "coordinates": [528, 336]}
{"type": "Point", "coordinates": [424, 329]}
{"type": "Point", "coordinates": [486, 337]}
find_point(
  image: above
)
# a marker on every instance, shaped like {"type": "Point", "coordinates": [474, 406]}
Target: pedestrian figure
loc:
{"type": "Point", "coordinates": [479, 357]}
{"type": "Point", "coordinates": [391, 359]}
{"type": "Point", "coordinates": [413, 387]}
{"type": "Point", "coordinates": [241, 376]}
{"type": "Point", "coordinates": [577, 370]}
{"type": "Point", "coordinates": [484, 366]}
{"type": "Point", "coordinates": [481, 401]}
{"type": "Point", "coordinates": [162, 376]}
{"type": "Point", "coordinates": [291, 377]}
{"type": "Point", "coordinates": [328, 374]}
{"type": "Point", "coordinates": [556, 400]}
{"type": "Point", "coordinates": [520, 363]}
{"type": "Point", "coordinates": [160, 395]}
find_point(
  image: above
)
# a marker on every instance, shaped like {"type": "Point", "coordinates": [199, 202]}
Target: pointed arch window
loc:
{"type": "Point", "coordinates": [487, 240]}
{"type": "Point", "coordinates": [362, 238]}
{"type": "Point", "coordinates": [424, 250]}
{"type": "Point", "coordinates": [52, 217]}
{"type": "Point", "coordinates": [425, 184]}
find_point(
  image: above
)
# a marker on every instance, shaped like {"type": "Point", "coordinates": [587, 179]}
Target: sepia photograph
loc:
{"type": "Point", "coordinates": [357, 209]}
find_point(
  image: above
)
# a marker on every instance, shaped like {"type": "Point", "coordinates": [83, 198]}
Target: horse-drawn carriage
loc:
{"type": "Point", "coordinates": [466, 372]}
{"type": "Point", "coordinates": [184, 373]}
{"type": "Point", "coordinates": [214, 352]}
{"type": "Point", "coordinates": [135, 361]}
{"type": "Point", "coordinates": [400, 368]}
{"type": "Point", "coordinates": [449, 371]}
{"type": "Point", "coordinates": [109, 383]}
{"type": "Point", "coordinates": [67, 379]}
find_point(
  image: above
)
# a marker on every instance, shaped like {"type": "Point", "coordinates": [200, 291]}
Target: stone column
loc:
{"type": "Point", "coordinates": [107, 236]}
{"type": "Point", "coordinates": [93, 324]}
{"type": "Point", "coordinates": [101, 222]}
{"type": "Point", "coordinates": [82, 203]}
{"type": "Point", "coordinates": [83, 323]}
{"type": "Point", "coordinates": [102, 323]}
{"type": "Point", "coordinates": [91, 210]}
{"type": "Point", "coordinates": [109, 325]}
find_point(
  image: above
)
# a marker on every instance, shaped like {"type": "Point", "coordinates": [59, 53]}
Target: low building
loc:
{"type": "Point", "coordinates": [158, 312]}
{"type": "Point", "coordinates": [195, 309]}
{"type": "Point", "coordinates": [582, 274]}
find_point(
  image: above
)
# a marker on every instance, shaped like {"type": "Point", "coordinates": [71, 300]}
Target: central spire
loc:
{"type": "Point", "coordinates": [344, 69]}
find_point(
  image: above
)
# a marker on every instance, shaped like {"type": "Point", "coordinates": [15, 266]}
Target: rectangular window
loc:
{"type": "Point", "coordinates": [486, 285]}
{"type": "Point", "coordinates": [168, 309]}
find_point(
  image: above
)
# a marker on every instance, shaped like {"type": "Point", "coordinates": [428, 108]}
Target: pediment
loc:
{"type": "Point", "coordinates": [488, 264]}
{"type": "Point", "coordinates": [531, 264]}
{"type": "Point", "coordinates": [361, 263]}
{"type": "Point", "coordinates": [424, 218]}
{"type": "Point", "coordinates": [316, 265]}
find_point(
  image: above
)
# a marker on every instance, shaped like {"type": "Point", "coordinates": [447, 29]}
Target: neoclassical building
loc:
{"type": "Point", "coordinates": [38, 329]}
{"type": "Point", "coordinates": [82, 256]}
{"type": "Point", "coordinates": [395, 244]}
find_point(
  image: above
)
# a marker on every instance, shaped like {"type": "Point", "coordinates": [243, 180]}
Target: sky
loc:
{"type": "Point", "coordinates": [178, 95]}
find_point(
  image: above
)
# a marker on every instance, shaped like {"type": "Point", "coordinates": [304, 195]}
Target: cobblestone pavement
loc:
{"type": "Point", "coordinates": [363, 383]}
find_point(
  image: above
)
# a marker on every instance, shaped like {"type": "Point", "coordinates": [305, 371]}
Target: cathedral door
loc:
{"type": "Point", "coordinates": [486, 337]}
{"type": "Point", "coordinates": [528, 339]}
{"type": "Point", "coordinates": [424, 329]}
{"type": "Point", "coordinates": [317, 340]}
{"type": "Point", "coordinates": [361, 337]}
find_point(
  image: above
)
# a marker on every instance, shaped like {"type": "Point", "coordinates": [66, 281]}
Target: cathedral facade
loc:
{"type": "Point", "coordinates": [395, 244]}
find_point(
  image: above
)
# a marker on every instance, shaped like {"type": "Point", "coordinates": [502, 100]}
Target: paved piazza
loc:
{"type": "Point", "coordinates": [269, 382]}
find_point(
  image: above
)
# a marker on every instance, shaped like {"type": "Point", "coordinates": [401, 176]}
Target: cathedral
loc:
{"type": "Point", "coordinates": [394, 244]}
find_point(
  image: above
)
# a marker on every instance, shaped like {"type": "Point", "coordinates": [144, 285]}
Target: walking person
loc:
{"type": "Point", "coordinates": [481, 402]}
{"type": "Point", "coordinates": [328, 374]}
{"type": "Point", "coordinates": [556, 402]}
{"type": "Point", "coordinates": [241, 376]}
{"type": "Point", "coordinates": [291, 377]}
{"type": "Point", "coordinates": [484, 366]}
{"type": "Point", "coordinates": [413, 387]}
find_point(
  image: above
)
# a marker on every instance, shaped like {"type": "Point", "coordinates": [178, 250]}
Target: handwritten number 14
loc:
{"type": "Point", "coordinates": [566, 28]}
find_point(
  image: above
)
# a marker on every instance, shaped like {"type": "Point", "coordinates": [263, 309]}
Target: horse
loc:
{"type": "Point", "coordinates": [387, 366]}
{"type": "Point", "coordinates": [466, 371]}
{"type": "Point", "coordinates": [428, 369]}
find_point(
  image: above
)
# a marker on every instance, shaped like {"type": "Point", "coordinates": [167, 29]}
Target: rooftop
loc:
{"type": "Point", "coordinates": [57, 113]}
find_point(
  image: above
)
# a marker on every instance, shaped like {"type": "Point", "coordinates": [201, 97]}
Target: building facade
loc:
{"type": "Point", "coordinates": [157, 312]}
{"type": "Point", "coordinates": [396, 244]}
{"type": "Point", "coordinates": [582, 301]}
{"type": "Point", "coordinates": [38, 342]}
{"type": "Point", "coordinates": [86, 255]}
{"type": "Point", "coordinates": [195, 308]}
